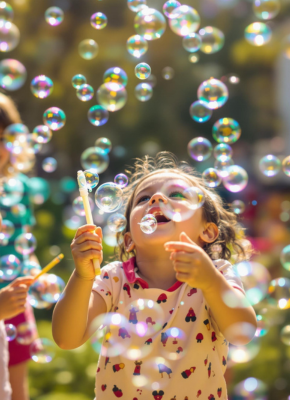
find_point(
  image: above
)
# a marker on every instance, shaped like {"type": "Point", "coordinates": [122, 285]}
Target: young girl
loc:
{"type": "Point", "coordinates": [169, 292]}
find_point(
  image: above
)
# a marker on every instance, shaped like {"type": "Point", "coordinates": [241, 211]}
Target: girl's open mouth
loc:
{"type": "Point", "coordinates": [161, 219]}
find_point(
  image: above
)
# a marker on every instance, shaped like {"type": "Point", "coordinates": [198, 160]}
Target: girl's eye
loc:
{"type": "Point", "coordinates": [177, 195]}
{"type": "Point", "coordinates": [143, 198]}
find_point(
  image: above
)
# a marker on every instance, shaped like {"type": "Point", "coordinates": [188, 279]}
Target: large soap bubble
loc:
{"type": "Point", "coordinates": [222, 152]}
{"type": "Point", "coordinates": [104, 143]}
{"type": "Point", "coordinates": [136, 5]}
{"type": "Point", "coordinates": [95, 158]}
{"type": "Point", "coordinates": [53, 16]}
{"type": "Point", "coordinates": [12, 74]}
{"type": "Point", "coordinates": [54, 118]}
{"type": "Point", "coordinates": [150, 23]}
{"type": "Point", "coordinates": [212, 39]}
{"type": "Point", "coordinates": [199, 149]}
{"type": "Point", "coordinates": [143, 91]}
{"type": "Point", "coordinates": [117, 222]}
{"type": "Point", "coordinates": [9, 36]}
{"type": "Point", "coordinates": [236, 180]}
{"type": "Point", "coordinates": [148, 224]}
{"type": "Point", "coordinates": [211, 177]}
{"type": "Point", "coordinates": [25, 243]}
{"type": "Point", "coordinates": [270, 165]}
{"type": "Point", "coordinates": [137, 46]}
{"type": "Point", "coordinates": [41, 86]}
{"type": "Point", "coordinates": [191, 42]}
{"type": "Point", "coordinates": [6, 11]}
{"type": "Point", "coordinates": [85, 92]}
{"type": "Point", "coordinates": [41, 134]}
{"type": "Point", "coordinates": [258, 33]}
{"type": "Point", "coordinates": [99, 20]}
{"type": "Point", "coordinates": [169, 7]}
{"type": "Point", "coordinates": [78, 80]}
{"type": "Point", "coordinates": [88, 49]}
{"type": "Point", "coordinates": [142, 70]}
{"type": "Point", "coordinates": [184, 20]}
{"type": "Point", "coordinates": [109, 197]}
{"type": "Point", "coordinates": [110, 98]}
{"type": "Point", "coordinates": [10, 267]}
{"type": "Point", "coordinates": [98, 115]}
{"type": "Point", "coordinates": [116, 77]}
{"type": "Point", "coordinates": [266, 9]}
{"type": "Point", "coordinates": [47, 287]}
{"type": "Point", "coordinates": [199, 111]}
{"type": "Point", "coordinates": [213, 92]}
{"type": "Point", "coordinates": [226, 130]}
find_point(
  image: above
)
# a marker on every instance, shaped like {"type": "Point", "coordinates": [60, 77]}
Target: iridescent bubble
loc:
{"type": "Point", "coordinates": [3, 241]}
{"type": "Point", "coordinates": [199, 111]}
{"type": "Point", "coordinates": [286, 165]}
{"type": "Point", "coordinates": [199, 149]}
{"type": "Point", "coordinates": [152, 81]}
{"type": "Point", "coordinates": [167, 73]}
{"type": "Point", "coordinates": [47, 287]}
{"type": "Point", "coordinates": [53, 16]}
{"type": "Point", "coordinates": [212, 39]}
{"type": "Point", "coordinates": [19, 210]}
{"type": "Point", "coordinates": [49, 164]}
{"type": "Point", "coordinates": [262, 325]}
{"type": "Point", "coordinates": [222, 152]}
{"type": "Point", "coordinates": [136, 5]}
{"type": "Point", "coordinates": [279, 293]}
{"type": "Point", "coordinates": [10, 329]}
{"type": "Point", "coordinates": [117, 222]}
{"type": "Point", "coordinates": [30, 268]}
{"type": "Point", "coordinates": [25, 244]}
{"type": "Point", "coordinates": [95, 158]}
{"type": "Point", "coordinates": [232, 79]}
{"type": "Point", "coordinates": [137, 46]}
{"type": "Point", "coordinates": [148, 224]}
{"type": "Point", "coordinates": [193, 58]}
{"type": "Point", "coordinates": [110, 98]}
{"type": "Point", "coordinates": [236, 180]}
{"type": "Point", "coordinates": [99, 20]}
{"type": "Point", "coordinates": [258, 34]}
{"type": "Point", "coordinates": [6, 11]}
{"type": "Point", "coordinates": [184, 20]}
{"type": "Point", "coordinates": [11, 193]}
{"type": "Point", "coordinates": [41, 86]}
{"type": "Point", "coordinates": [109, 197]}
{"type": "Point", "coordinates": [104, 143]}
{"type": "Point", "coordinates": [223, 166]}
{"type": "Point", "coordinates": [191, 42]}
{"type": "Point", "coordinates": [42, 351]}
{"type": "Point", "coordinates": [78, 80]}
{"type": "Point", "coordinates": [109, 237]}
{"type": "Point", "coordinates": [15, 132]}
{"type": "Point", "coordinates": [285, 335]}
{"type": "Point", "coordinates": [142, 71]}
{"type": "Point", "coordinates": [285, 258]}
{"type": "Point", "coordinates": [88, 49]}
{"type": "Point", "coordinates": [98, 115]}
{"type": "Point", "coordinates": [41, 134]}
{"type": "Point", "coordinates": [7, 228]}
{"type": "Point", "coordinates": [10, 267]}
{"type": "Point", "coordinates": [26, 333]}
{"type": "Point", "coordinates": [85, 92]}
{"type": "Point", "coordinates": [251, 388]}
{"type": "Point", "coordinates": [12, 74]}
{"type": "Point", "coordinates": [116, 78]}
{"type": "Point", "coordinates": [92, 178]}
{"type": "Point", "coordinates": [242, 354]}
{"type": "Point", "coordinates": [9, 36]}
{"type": "Point", "coordinates": [238, 206]}
{"type": "Point", "coordinates": [121, 180]}
{"type": "Point", "coordinates": [226, 130]}
{"type": "Point", "coordinates": [78, 206]}
{"type": "Point", "coordinates": [266, 9]}
{"type": "Point", "coordinates": [169, 7]}
{"type": "Point", "coordinates": [211, 177]}
{"type": "Point", "coordinates": [54, 118]}
{"type": "Point", "coordinates": [270, 165]}
{"type": "Point", "coordinates": [150, 23]}
{"type": "Point", "coordinates": [143, 91]}
{"type": "Point", "coordinates": [213, 92]}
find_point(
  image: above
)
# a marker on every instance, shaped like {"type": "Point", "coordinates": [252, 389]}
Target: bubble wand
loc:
{"type": "Point", "coordinates": [52, 264]}
{"type": "Point", "coordinates": [84, 195]}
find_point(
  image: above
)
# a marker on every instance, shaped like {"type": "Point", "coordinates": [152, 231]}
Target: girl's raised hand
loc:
{"type": "Point", "coordinates": [86, 245]}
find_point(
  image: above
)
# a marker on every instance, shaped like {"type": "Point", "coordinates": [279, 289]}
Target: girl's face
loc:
{"type": "Point", "coordinates": [4, 153]}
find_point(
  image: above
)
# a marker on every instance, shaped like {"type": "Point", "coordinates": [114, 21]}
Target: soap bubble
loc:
{"type": "Point", "coordinates": [11, 193]}
{"type": "Point", "coordinates": [266, 9]}
{"type": "Point", "coordinates": [53, 16]}
{"type": "Point", "coordinates": [169, 7]}
{"type": "Point", "coordinates": [78, 80]}
{"type": "Point", "coordinates": [232, 79]}
{"type": "Point", "coordinates": [30, 268]}
{"type": "Point", "coordinates": [184, 20]}
{"type": "Point", "coordinates": [199, 111]}
{"type": "Point", "coordinates": [117, 222]}
{"type": "Point", "coordinates": [142, 71]}
{"type": "Point", "coordinates": [19, 210]}
{"type": "Point", "coordinates": [251, 388]}
{"type": "Point", "coordinates": [10, 329]}
{"type": "Point", "coordinates": [48, 287]}
{"type": "Point", "coordinates": [9, 36]}
{"type": "Point", "coordinates": [92, 178]}
{"type": "Point", "coordinates": [191, 42]}
{"type": "Point", "coordinates": [6, 11]}
{"type": "Point", "coordinates": [7, 228]}
{"type": "Point", "coordinates": [41, 86]}
{"type": "Point", "coordinates": [279, 293]}
{"type": "Point", "coordinates": [26, 333]}
{"type": "Point", "coordinates": [116, 78]}
{"type": "Point", "coordinates": [211, 177]}
{"type": "Point", "coordinates": [143, 92]}
{"type": "Point", "coordinates": [223, 166]}
{"type": "Point", "coordinates": [121, 180]}
{"type": "Point", "coordinates": [286, 165]}
{"type": "Point", "coordinates": [226, 130]}
{"type": "Point", "coordinates": [193, 58]}
{"type": "Point", "coordinates": [42, 351]}
{"type": "Point", "coordinates": [262, 325]}
{"type": "Point", "coordinates": [212, 39]}
{"type": "Point", "coordinates": [285, 335]}
{"type": "Point", "coordinates": [222, 152]}
{"type": "Point", "coordinates": [97, 115]}
{"type": "Point", "coordinates": [199, 149]}
{"type": "Point", "coordinates": [258, 34]}
{"type": "Point", "coordinates": [236, 180]}
{"type": "Point", "coordinates": [41, 134]}
{"type": "Point", "coordinates": [270, 165]}
{"type": "Point", "coordinates": [167, 73]}
{"type": "Point", "coordinates": [152, 80]}
{"type": "Point", "coordinates": [25, 244]}
{"type": "Point", "coordinates": [85, 92]}
{"type": "Point", "coordinates": [88, 49]}
{"type": "Point", "coordinates": [54, 118]}
{"type": "Point", "coordinates": [110, 98]}
{"type": "Point", "coordinates": [78, 206]}
{"type": "Point", "coordinates": [109, 197]}
{"type": "Point", "coordinates": [150, 23]}
{"type": "Point", "coordinates": [213, 92]}
{"type": "Point", "coordinates": [12, 74]}
{"type": "Point", "coordinates": [99, 20]}
{"type": "Point", "coordinates": [148, 224]}
{"type": "Point", "coordinates": [104, 144]}
{"type": "Point", "coordinates": [238, 206]}
{"type": "Point", "coordinates": [136, 5]}
{"type": "Point", "coordinates": [285, 258]}
{"type": "Point", "coordinates": [14, 132]}
{"type": "Point", "coordinates": [95, 158]}
{"type": "Point", "coordinates": [49, 164]}
{"type": "Point", "coordinates": [10, 267]}
{"type": "Point", "coordinates": [137, 46]}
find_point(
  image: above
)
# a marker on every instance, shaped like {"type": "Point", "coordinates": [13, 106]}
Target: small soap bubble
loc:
{"type": "Point", "coordinates": [109, 197]}
{"type": "Point", "coordinates": [232, 79]}
{"type": "Point", "coordinates": [104, 143]}
{"type": "Point", "coordinates": [10, 329]}
{"type": "Point", "coordinates": [143, 91]}
{"type": "Point", "coordinates": [41, 134]}
{"type": "Point", "coordinates": [285, 335]}
{"type": "Point", "coordinates": [98, 115]}
{"type": "Point", "coordinates": [236, 180]}
{"type": "Point", "coordinates": [193, 58]}
{"type": "Point", "coordinates": [226, 130]}
{"type": "Point", "coordinates": [18, 210]}
{"type": "Point", "coordinates": [9, 36]}
{"type": "Point", "coordinates": [42, 351]}
{"type": "Point", "coordinates": [99, 20]}
{"type": "Point", "coordinates": [11, 193]}
{"type": "Point", "coordinates": [49, 164]}
{"type": "Point", "coordinates": [152, 81]}
{"type": "Point", "coordinates": [286, 165]}
{"type": "Point", "coordinates": [92, 178]}
{"type": "Point", "coordinates": [117, 222]}
{"type": "Point", "coordinates": [262, 325]}
{"type": "Point", "coordinates": [53, 16]}
{"type": "Point", "coordinates": [12, 74]}
{"type": "Point", "coordinates": [121, 180]}
{"type": "Point", "coordinates": [258, 33]}
{"type": "Point", "coordinates": [7, 228]}
{"type": "Point", "coordinates": [78, 80]}
{"type": "Point", "coordinates": [199, 149]}
{"type": "Point", "coordinates": [184, 20]}
{"type": "Point", "coordinates": [54, 118]}
{"type": "Point", "coordinates": [270, 165]}
{"type": "Point", "coordinates": [10, 267]}
{"type": "Point", "coordinates": [136, 5]}
{"type": "Point", "coordinates": [191, 42]}
{"type": "Point", "coordinates": [279, 293]}
{"type": "Point", "coordinates": [85, 92]}
{"type": "Point", "coordinates": [212, 39]}
{"type": "Point", "coordinates": [3, 241]}
{"type": "Point", "coordinates": [148, 224]}
{"type": "Point", "coordinates": [95, 158]}
{"type": "Point", "coordinates": [78, 206]}
{"type": "Point", "coordinates": [285, 258]}
{"type": "Point", "coordinates": [47, 287]}
{"type": "Point", "coordinates": [213, 92]}
{"type": "Point", "coordinates": [25, 244]}
{"type": "Point", "coordinates": [137, 46]}
{"type": "Point", "coordinates": [150, 23]}
{"type": "Point", "coordinates": [222, 152]}
{"type": "Point", "coordinates": [6, 12]}
{"type": "Point", "coordinates": [238, 206]}
{"type": "Point", "coordinates": [169, 7]}
{"type": "Point", "coordinates": [116, 78]}
{"type": "Point", "coordinates": [142, 71]}
{"type": "Point", "coordinates": [41, 86]}
{"type": "Point", "coordinates": [266, 9]}
{"type": "Point", "coordinates": [223, 166]}
{"type": "Point", "coordinates": [110, 98]}
{"type": "Point", "coordinates": [26, 332]}
{"type": "Point", "coordinates": [211, 177]}
{"type": "Point", "coordinates": [200, 112]}
{"type": "Point", "coordinates": [30, 268]}
{"type": "Point", "coordinates": [88, 49]}
{"type": "Point", "coordinates": [167, 73]}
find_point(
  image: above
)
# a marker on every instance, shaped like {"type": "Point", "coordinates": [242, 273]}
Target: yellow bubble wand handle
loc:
{"type": "Point", "coordinates": [52, 264]}
{"type": "Point", "coordinates": [84, 195]}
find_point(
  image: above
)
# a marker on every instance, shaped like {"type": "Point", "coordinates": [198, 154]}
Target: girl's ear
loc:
{"type": "Point", "coordinates": [210, 233]}
{"type": "Point", "coordinates": [128, 242]}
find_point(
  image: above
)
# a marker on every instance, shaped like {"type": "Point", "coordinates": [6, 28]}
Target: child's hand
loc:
{"type": "Point", "coordinates": [86, 245]}
{"type": "Point", "coordinates": [13, 297]}
{"type": "Point", "coordinates": [191, 263]}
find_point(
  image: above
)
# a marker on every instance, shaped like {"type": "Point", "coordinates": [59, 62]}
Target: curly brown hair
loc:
{"type": "Point", "coordinates": [230, 241]}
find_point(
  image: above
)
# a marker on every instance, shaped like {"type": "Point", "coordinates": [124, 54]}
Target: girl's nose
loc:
{"type": "Point", "coordinates": [157, 198]}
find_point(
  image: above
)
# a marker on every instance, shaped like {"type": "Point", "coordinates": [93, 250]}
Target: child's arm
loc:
{"type": "Point", "coordinates": [78, 305]}
{"type": "Point", "coordinates": [13, 297]}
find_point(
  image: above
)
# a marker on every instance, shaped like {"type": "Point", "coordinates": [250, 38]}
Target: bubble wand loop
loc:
{"type": "Point", "coordinates": [84, 195]}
